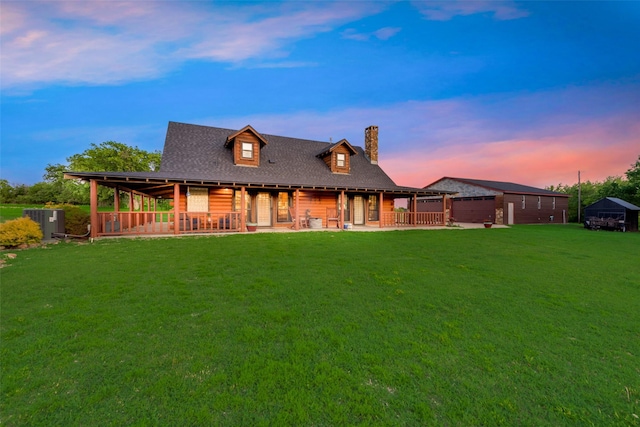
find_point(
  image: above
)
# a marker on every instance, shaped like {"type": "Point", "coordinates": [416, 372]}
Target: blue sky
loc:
{"type": "Point", "coordinates": [528, 92]}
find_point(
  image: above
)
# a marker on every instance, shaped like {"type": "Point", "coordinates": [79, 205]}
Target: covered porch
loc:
{"type": "Point", "coordinates": [203, 207]}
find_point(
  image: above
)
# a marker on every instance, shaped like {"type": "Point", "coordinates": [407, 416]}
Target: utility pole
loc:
{"type": "Point", "coordinates": [579, 197]}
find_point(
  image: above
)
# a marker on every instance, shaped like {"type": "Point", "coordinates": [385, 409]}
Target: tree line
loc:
{"type": "Point", "coordinates": [111, 156]}
{"type": "Point", "coordinates": [626, 188]}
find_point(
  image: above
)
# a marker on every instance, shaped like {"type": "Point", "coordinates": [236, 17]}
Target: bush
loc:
{"type": "Point", "coordinates": [20, 231]}
{"type": "Point", "coordinates": [75, 219]}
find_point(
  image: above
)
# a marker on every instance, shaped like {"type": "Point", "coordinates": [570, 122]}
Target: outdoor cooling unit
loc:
{"type": "Point", "coordinates": [51, 221]}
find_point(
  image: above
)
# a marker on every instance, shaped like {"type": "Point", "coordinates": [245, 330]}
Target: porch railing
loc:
{"type": "Point", "coordinates": [410, 219]}
{"type": "Point", "coordinates": [156, 222]}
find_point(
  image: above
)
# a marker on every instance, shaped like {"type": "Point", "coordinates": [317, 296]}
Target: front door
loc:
{"type": "Point", "coordinates": [264, 209]}
{"type": "Point", "coordinates": [358, 210]}
{"type": "Point", "coordinates": [510, 213]}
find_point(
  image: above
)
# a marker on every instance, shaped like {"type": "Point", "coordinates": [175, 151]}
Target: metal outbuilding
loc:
{"type": "Point", "coordinates": [611, 213]}
{"type": "Point", "coordinates": [499, 202]}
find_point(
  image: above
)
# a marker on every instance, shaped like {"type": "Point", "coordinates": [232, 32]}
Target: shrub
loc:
{"type": "Point", "coordinates": [20, 231]}
{"type": "Point", "coordinates": [75, 219]}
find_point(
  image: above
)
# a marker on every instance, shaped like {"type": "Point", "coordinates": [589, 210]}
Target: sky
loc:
{"type": "Point", "coordinates": [527, 92]}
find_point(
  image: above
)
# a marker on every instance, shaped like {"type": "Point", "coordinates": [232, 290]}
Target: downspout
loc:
{"type": "Point", "coordinates": [415, 210]}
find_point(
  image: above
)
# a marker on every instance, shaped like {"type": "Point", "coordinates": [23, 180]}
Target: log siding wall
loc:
{"type": "Point", "coordinates": [246, 137]}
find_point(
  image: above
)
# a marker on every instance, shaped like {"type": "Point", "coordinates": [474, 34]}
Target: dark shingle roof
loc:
{"type": "Point", "coordinates": [503, 186]}
{"type": "Point", "coordinates": [196, 155]}
{"type": "Point", "coordinates": [199, 152]}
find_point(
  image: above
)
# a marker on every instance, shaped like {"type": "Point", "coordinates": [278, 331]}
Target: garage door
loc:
{"type": "Point", "coordinates": [473, 209]}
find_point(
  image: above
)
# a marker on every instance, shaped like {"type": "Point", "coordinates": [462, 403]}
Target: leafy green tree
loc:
{"type": "Point", "coordinates": [114, 156]}
{"type": "Point", "coordinates": [6, 192]}
{"type": "Point", "coordinates": [109, 156]}
{"type": "Point", "coordinates": [633, 183]}
{"type": "Point", "coordinates": [42, 192]}
{"type": "Point", "coordinates": [614, 186]}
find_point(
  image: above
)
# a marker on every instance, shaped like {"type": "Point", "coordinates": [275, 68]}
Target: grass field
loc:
{"type": "Point", "coordinates": [9, 211]}
{"type": "Point", "coordinates": [533, 325]}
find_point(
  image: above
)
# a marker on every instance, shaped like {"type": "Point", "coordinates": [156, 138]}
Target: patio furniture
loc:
{"type": "Point", "coordinates": [303, 220]}
{"type": "Point", "coordinates": [332, 215]}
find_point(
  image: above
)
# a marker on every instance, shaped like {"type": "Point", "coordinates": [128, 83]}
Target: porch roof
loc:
{"type": "Point", "coordinates": [158, 184]}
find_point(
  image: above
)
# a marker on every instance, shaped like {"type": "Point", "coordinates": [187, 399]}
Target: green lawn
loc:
{"type": "Point", "coordinates": [533, 325]}
{"type": "Point", "coordinates": [10, 211]}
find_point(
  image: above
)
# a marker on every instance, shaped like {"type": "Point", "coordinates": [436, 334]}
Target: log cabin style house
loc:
{"type": "Point", "coordinates": [223, 180]}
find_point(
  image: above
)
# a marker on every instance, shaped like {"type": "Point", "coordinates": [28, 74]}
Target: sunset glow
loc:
{"type": "Point", "coordinates": [506, 90]}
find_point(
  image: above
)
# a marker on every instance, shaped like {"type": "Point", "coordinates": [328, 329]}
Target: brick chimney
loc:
{"type": "Point", "coordinates": [371, 144]}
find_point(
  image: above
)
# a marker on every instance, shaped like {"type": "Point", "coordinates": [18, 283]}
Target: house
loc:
{"type": "Point", "coordinates": [476, 200]}
{"type": "Point", "coordinates": [223, 179]}
{"type": "Point", "coordinates": [611, 213]}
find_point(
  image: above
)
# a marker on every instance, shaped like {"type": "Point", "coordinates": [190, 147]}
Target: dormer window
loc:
{"type": "Point", "coordinates": [338, 156]}
{"type": "Point", "coordinates": [247, 150]}
{"type": "Point", "coordinates": [246, 145]}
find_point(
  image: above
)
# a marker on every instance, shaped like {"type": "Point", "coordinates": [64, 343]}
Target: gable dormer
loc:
{"type": "Point", "coordinates": [246, 145]}
{"type": "Point", "coordinates": [338, 156]}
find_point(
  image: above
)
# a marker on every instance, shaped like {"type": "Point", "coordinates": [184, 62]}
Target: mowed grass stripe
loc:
{"type": "Point", "coordinates": [533, 325]}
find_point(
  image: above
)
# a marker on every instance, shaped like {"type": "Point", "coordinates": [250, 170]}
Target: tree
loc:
{"type": "Point", "coordinates": [614, 186]}
{"type": "Point", "coordinates": [633, 183]}
{"type": "Point", "coordinates": [109, 156]}
{"type": "Point", "coordinates": [6, 192]}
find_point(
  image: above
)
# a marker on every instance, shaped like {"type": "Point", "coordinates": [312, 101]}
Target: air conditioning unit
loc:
{"type": "Point", "coordinates": [51, 221]}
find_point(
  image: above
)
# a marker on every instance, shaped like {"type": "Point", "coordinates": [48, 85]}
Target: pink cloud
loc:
{"type": "Point", "coordinates": [536, 162]}
{"type": "Point", "coordinates": [445, 10]}
{"type": "Point", "coordinates": [594, 130]}
{"type": "Point", "coordinates": [112, 42]}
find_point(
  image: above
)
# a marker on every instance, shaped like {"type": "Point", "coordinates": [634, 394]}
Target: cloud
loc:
{"type": "Point", "coordinates": [99, 42]}
{"type": "Point", "coordinates": [537, 162]}
{"type": "Point", "coordinates": [446, 10]}
{"type": "Point", "coordinates": [537, 139]}
{"type": "Point", "coordinates": [382, 34]}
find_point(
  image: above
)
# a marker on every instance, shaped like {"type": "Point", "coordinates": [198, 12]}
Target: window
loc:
{"type": "Point", "coordinates": [284, 203]}
{"type": "Point", "coordinates": [539, 202]}
{"type": "Point", "coordinates": [341, 160]}
{"type": "Point", "coordinates": [197, 199]}
{"type": "Point", "coordinates": [373, 208]}
{"type": "Point", "coordinates": [247, 150]}
{"type": "Point", "coordinates": [347, 208]}
{"type": "Point", "coordinates": [553, 201]}
{"type": "Point", "coordinates": [237, 197]}
{"type": "Point", "coordinates": [524, 202]}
